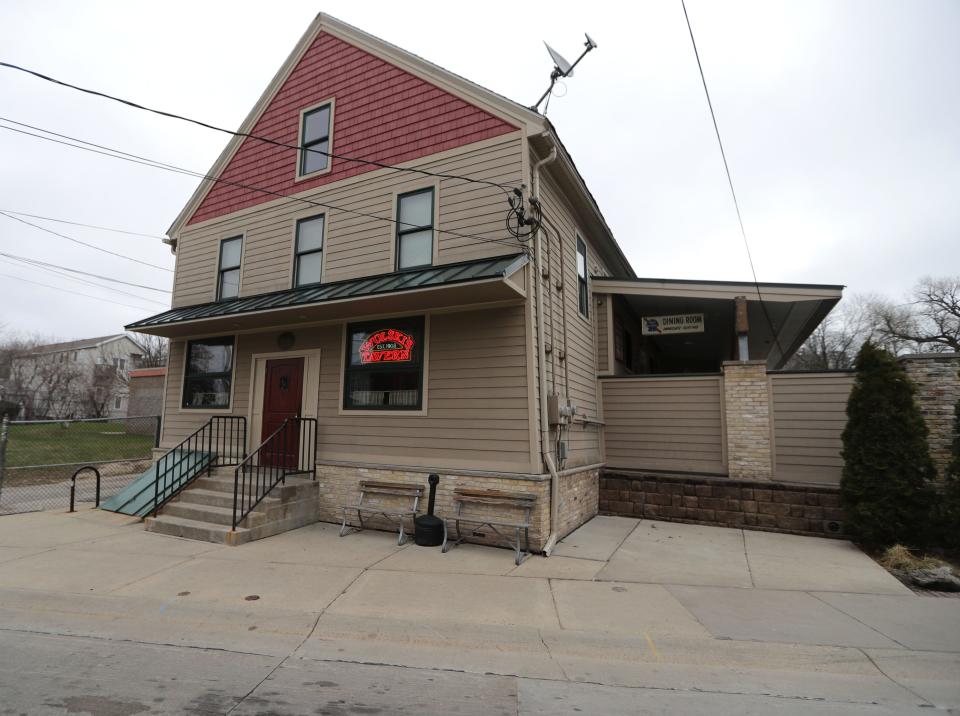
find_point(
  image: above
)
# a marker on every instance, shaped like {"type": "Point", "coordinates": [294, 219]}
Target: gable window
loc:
{"type": "Point", "coordinates": [415, 229]}
{"type": "Point", "coordinates": [228, 271]}
{"type": "Point", "coordinates": [308, 252]}
{"type": "Point", "coordinates": [208, 374]}
{"type": "Point", "coordinates": [117, 402]}
{"type": "Point", "coordinates": [315, 140]}
{"type": "Point", "coordinates": [384, 365]}
{"type": "Point", "coordinates": [583, 297]}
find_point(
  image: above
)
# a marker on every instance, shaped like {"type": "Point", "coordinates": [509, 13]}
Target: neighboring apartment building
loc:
{"type": "Point", "coordinates": [75, 379]}
{"type": "Point", "coordinates": [395, 306]}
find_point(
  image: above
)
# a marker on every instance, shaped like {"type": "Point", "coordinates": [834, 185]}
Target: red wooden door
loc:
{"type": "Point", "coordinates": [282, 396]}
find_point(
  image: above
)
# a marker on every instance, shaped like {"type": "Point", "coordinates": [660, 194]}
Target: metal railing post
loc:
{"type": "Point", "coordinates": [156, 432]}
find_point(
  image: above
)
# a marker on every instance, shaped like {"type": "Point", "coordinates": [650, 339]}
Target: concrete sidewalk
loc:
{"type": "Point", "coordinates": [674, 610]}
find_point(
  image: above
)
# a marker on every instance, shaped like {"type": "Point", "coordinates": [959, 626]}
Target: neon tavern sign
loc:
{"type": "Point", "coordinates": [387, 345]}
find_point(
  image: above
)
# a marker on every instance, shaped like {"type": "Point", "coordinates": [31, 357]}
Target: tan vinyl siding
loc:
{"type": "Point", "coordinates": [581, 353]}
{"type": "Point", "coordinates": [809, 414]}
{"type": "Point", "coordinates": [477, 407]}
{"type": "Point", "coordinates": [669, 423]}
{"type": "Point", "coordinates": [357, 246]}
{"type": "Point", "coordinates": [602, 336]}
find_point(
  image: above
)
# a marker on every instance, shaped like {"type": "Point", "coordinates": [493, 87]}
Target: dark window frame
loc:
{"type": "Point", "coordinates": [404, 230]}
{"type": "Point", "coordinates": [221, 270]}
{"type": "Point", "coordinates": [188, 376]}
{"type": "Point", "coordinates": [414, 324]}
{"type": "Point", "coordinates": [297, 253]}
{"type": "Point", "coordinates": [306, 144]}
{"type": "Point", "coordinates": [583, 288]}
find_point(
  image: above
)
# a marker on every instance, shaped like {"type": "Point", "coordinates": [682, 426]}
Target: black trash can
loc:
{"type": "Point", "coordinates": [428, 529]}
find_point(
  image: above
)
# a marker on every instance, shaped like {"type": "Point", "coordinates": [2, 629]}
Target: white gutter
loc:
{"type": "Point", "coordinates": [542, 358]}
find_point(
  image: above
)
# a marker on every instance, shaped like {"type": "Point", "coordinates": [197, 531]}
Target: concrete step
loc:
{"type": "Point", "coordinates": [214, 484]}
{"type": "Point", "coordinates": [217, 498]}
{"type": "Point", "coordinates": [211, 514]}
{"type": "Point", "coordinates": [192, 529]}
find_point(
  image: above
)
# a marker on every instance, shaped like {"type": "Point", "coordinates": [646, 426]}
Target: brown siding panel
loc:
{"type": "Point", "coordinates": [668, 423]}
{"type": "Point", "coordinates": [809, 414]}
{"type": "Point", "coordinates": [477, 416]}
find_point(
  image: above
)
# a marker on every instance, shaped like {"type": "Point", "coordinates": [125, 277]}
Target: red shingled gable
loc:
{"type": "Point", "coordinates": [383, 113]}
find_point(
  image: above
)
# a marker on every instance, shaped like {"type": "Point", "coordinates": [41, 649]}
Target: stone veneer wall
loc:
{"type": "Point", "coordinates": [937, 378]}
{"type": "Point", "coordinates": [579, 495]}
{"type": "Point", "coordinates": [750, 504]}
{"type": "Point", "coordinates": [746, 399]}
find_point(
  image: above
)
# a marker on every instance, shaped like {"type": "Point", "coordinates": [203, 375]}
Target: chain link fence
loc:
{"type": "Point", "coordinates": [38, 458]}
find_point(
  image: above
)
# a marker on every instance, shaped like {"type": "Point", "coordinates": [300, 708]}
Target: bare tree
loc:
{"type": "Point", "coordinates": [155, 350]}
{"type": "Point", "coordinates": [930, 321]}
{"type": "Point", "coordinates": [835, 342]}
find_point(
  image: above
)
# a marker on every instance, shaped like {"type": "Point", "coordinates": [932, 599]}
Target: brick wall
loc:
{"type": "Point", "coordinates": [937, 378]}
{"type": "Point", "coordinates": [579, 499]}
{"type": "Point", "coordinates": [750, 504]}
{"type": "Point", "coordinates": [746, 398]}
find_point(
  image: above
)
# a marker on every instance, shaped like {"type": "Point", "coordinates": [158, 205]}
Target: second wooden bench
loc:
{"type": "Point", "coordinates": [473, 506]}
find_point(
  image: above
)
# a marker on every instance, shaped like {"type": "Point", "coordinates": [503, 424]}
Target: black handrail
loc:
{"type": "Point", "coordinates": [221, 441]}
{"type": "Point", "coordinates": [290, 449]}
{"type": "Point", "coordinates": [73, 485]}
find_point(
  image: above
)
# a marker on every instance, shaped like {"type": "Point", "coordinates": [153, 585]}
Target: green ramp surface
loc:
{"type": "Point", "coordinates": [138, 497]}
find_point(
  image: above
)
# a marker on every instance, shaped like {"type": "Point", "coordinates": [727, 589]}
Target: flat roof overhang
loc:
{"type": "Point", "coordinates": [437, 287]}
{"type": "Point", "coordinates": [794, 309]}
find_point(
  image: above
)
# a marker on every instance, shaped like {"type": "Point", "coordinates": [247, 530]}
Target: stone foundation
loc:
{"type": "Point", "coordinates": [746, 401]}
{"type": "Point", "coordinates": [579, 496]}
{"type": "Point", "coordinates": [718, 501]}
{"type": "Point", "coordinates": [937, 379]}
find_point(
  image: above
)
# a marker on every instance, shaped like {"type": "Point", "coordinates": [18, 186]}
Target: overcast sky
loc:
{"type": "Point", "coordinates": [841, 121]}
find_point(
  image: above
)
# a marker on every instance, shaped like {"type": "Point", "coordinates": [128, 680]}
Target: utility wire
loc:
{"type": "Point", "coordinates": [247, 135]}
{"type": "Point", "coordinates": [84, 243]}
{"type": "Point", "coordinates": [78, 223]}
{"type": "Point", "coordinates": [76, 293]}
{"type": "Point", "coordinates": [38, 262]}
{"type": "Point", "coordinates": [156, 164]}
{"type": "Point", "coordinates": [68, 277]}
{"type": "Point", "coordinates": [733, 193]}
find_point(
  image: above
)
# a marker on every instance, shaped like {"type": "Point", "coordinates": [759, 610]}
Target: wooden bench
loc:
{"type": "Point", "coordinates": [374, 490]}
{"type": "Point", "coordinates": [474, 498]}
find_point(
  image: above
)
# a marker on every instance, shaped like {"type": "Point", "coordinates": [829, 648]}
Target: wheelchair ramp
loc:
{"type": "Point", "coordinates": [138, 497]}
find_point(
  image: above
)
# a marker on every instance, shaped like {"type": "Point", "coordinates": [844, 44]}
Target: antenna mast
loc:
{"type": "Point", "coordinates": [561, 68]}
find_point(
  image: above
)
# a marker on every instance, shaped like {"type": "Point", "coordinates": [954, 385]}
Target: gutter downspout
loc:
{"type": "Point", "coordinates": [542, 358]}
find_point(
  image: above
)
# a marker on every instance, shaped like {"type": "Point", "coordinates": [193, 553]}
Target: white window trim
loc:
{"type": "Point", "coordinates": [296, 219]}
{"type": "Point", "coordinates": [578, 236]}
{"type": "Point", "coordinates": [408, 188]}
{"type": "Point", "coordinates": [424, 383]}
{"type": "Point", "coordinates": [243, 258]}
{"type": "Point", "coordinates": [233, 378]}
{"type": "Point", "coordinates": [326, 170]}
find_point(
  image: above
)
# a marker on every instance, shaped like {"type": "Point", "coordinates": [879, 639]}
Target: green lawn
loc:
{"type": "Point", "coordinates": [53, 443]}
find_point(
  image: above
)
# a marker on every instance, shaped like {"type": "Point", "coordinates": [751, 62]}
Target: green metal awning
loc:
{"type": "Point", "coordinates": [447, 285]}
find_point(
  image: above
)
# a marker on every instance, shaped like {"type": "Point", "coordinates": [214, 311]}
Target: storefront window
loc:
{"type": "Point", "coordinates": [384, 365]}
{"type": "Point", "coordinates": [209, 373]}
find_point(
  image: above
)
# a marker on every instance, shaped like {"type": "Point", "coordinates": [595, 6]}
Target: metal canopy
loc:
{"type": "Point", "coordinates": [462, 282]}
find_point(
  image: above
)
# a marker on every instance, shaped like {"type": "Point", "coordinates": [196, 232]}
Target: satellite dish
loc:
{"type": "Point", "coordinates": [564, 67]}
{"type": "Point", "coordinates": [561, 68]}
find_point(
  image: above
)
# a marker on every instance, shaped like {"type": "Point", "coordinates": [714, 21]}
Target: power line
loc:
{"type": "Point", "coordinates": [84, 243]}
{"type": "Point", "coordinates": [78, 223]}
{"type": "Point", "coordinates": [68, 277]}
{"type": "Point", "coordinates": [156, 164]}
{"type": "Point", "coordinates": [76, 293]}
{"type": "Point", "coordinates": [85, 273]}
{"type": "Point", "coordinates": [733, 193]}
{"type": "Point", "coordinates": [265, 140]}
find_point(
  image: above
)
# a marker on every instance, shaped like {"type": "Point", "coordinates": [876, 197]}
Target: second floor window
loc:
{"type": "Point", "coordinates": [228, 273]}
{"type": "Point", "coordinates": [308, 253]}
{"type": "Point", "coordinates": [415, 229]}
{"type": "Point", "coordinates": [315, 140]}
{"type": "Point", "coordinates": [583, 295]}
